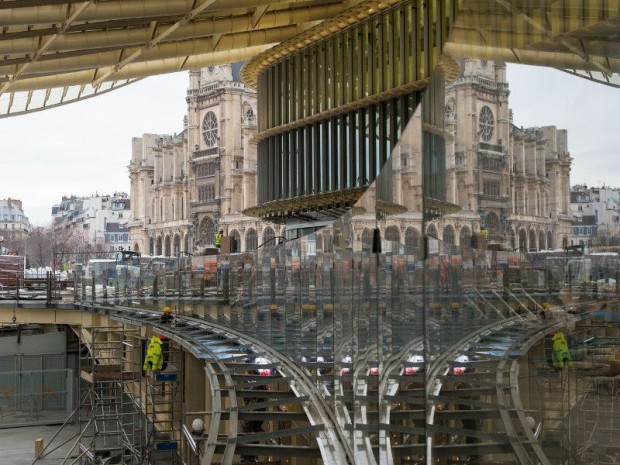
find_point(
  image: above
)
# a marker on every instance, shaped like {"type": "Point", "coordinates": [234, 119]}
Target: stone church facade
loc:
{"type": "Point", "coordinates": [510, 181]}
{"type": "Point", "coordinates": [185, 187]}
{"type": "Point", "coordinates": [513, 181]}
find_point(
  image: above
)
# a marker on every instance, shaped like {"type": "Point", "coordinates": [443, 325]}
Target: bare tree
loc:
{"type": "Point", "coordinates": [58, 247]}
{"type": "Point", "coordinates": [46, 244]}
{"type": "Point", "coordinates": [13, 242]}
{"type": "Point", "coordinates": [38, 247]}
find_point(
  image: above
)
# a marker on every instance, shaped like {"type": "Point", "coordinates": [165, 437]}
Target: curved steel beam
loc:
{"type": "Point", "coordinates": [105, 63]}
{"type": "Point", "coordinates": [42, 13]}
{"type": "Point", "coordinates": [42, 48]}
{"type": "Point", "coordinates": [331, 442]}
{"type": "Point", "coordinates": [107, 38]}
{"type": "Point", "coordinates": [530, 57]}
{"type": "Point", "coordinates": [20, 103]}
{"type": "Point", "coordinates": [612, 80]}
{"type": "Point", "coordinates": [143, 69]}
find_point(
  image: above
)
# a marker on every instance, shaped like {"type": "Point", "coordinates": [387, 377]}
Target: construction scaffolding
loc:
{"type": "Point", "coordinates": [575, 405]}
{"type": "Point", "coordinates": [596, 420]}
{"type": "Point", "coordinates": [163, 407]}
{"type": "Point", "coordinates": [110, 417]}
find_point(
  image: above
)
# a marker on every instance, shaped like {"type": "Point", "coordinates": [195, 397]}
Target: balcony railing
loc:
{"type": "Point", "coordinates": [206, 153]}
{"type": "Point", "coordinates": [213, 201]}
{"type": "Point", "coordinates": [492, 148]}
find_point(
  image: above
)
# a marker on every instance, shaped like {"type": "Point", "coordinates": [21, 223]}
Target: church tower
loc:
{"type": "Point", "coordinates": [477, 114]}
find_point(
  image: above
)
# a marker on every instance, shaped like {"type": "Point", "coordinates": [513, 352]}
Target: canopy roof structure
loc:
{"type": "Point", "coordinates": [54, 52]}
{"type": "Point", "coordinates": [58, 51]}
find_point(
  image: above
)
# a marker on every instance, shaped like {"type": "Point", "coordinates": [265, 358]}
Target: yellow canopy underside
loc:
{"type": "Point", "coordinates": [53, 51]}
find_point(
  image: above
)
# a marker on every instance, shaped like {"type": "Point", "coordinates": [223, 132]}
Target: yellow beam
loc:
{"type": "Point", "coordinates": [66, 23]}
{"type": "Point", "coordinates": [44, 14]}
{"type": "Point", "coordinates": [144, 69]}
{"type": "Point", "coordinates": [109, 59]}
{"type": "Point", "coordinates": [45, 315]}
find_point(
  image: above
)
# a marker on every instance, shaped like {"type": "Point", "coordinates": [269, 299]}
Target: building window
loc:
{"type": "Point", "coordinates": [203, 171]}
{"type": "Point", "coordinates": [491, 164]}
{"type": "Point", "coordinates": [210, 129]}
{"type": "Point", "coordinates": [412, 239]}
{"type": "Point", "coordinates": [490, 188]}
{"type": "Point", "coordinates": [459, 159]}
{"type": "Point", "coordinates": [251, 240]}
{"type": "Point", "coordinates": [392, 234]}
{"type": "Point", "coordinates": [206, 193]}
{"type": "Point", "coordinates": [269, 238]}
{"type": "Point", "coordinates": [486, 123]}
{"type": "Point", "coordinates": [207, 231]}
{"type": "Point", "coordinates": [448, 235]}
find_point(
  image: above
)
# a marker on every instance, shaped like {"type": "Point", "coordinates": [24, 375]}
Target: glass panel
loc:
{"type": "Point", "coordinates": [305, 84]}
{"type": "Point", "coordinates": [427, 317]}
{"type": "Point", "coordinates": [339, 61]}
{"type": "Point", "coordinates": [286, 165]}
{"type": "Point", "coordinates": [312, 83]}
{"type": "Point", "coordinates": [367, 59]}
{"type": "Point", "coordinates": [321, 79]}
{"type": "Point", "coordinates": [348, 58]}
{"type": "Point", "coordinates": [328, 74]}
{"type": "Point", "coordinates": [358, 63]}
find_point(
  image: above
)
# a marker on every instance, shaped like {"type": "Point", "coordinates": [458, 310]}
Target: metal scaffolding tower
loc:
{"type": "Point", "coordinates": [110, 386]}
{"type": "Point", "coordinates": [163, 407]}
{"type": "Point", "coordinates": [596, 419]}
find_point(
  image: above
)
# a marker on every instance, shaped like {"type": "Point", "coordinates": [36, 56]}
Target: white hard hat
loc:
{"type": "Point", "coordinates": [531, 422]}
{"type": "Point", "coordinates": [198, 426]}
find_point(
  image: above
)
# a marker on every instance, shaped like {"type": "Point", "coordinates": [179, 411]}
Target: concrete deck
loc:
{"type": "Point", "coordinates": [17, 444]}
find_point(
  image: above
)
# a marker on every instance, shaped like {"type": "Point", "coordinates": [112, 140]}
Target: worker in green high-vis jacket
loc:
{"type": "Point", "coordinates": [561, 355]}
{"type": "Point", "coordinates": [154, 355]}
{"type": "Point", "coordinates": [218, 238]}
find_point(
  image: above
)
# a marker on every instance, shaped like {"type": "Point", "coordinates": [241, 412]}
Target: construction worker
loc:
{"type": "Point", "coordinates": [485, 235]}
{"type": "Point", "coordinates": [154, 355]}
{"type": "Point", "coordinates": [218, 238]}
{"type": "Point", "coordinates": [167, 317]}
{"type": "Point", "coordinates": [544, 311]}
{"type": "Point", "coordinates": [560, 355]}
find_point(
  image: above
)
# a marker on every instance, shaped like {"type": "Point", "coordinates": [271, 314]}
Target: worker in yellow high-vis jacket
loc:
{"type": "Point", "coordinates": [154, 355]}
{"type": "Point", "coordinates": [218, 238]}
{"type": "Point", "coordinates": [561, 355]}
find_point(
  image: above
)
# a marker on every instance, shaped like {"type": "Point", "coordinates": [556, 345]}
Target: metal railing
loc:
{"type": "Point", "coordinates": [340, 323]}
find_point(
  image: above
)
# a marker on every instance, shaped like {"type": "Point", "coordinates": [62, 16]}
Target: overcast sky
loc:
{"type": "Point", "coordinates": [84, 148]}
